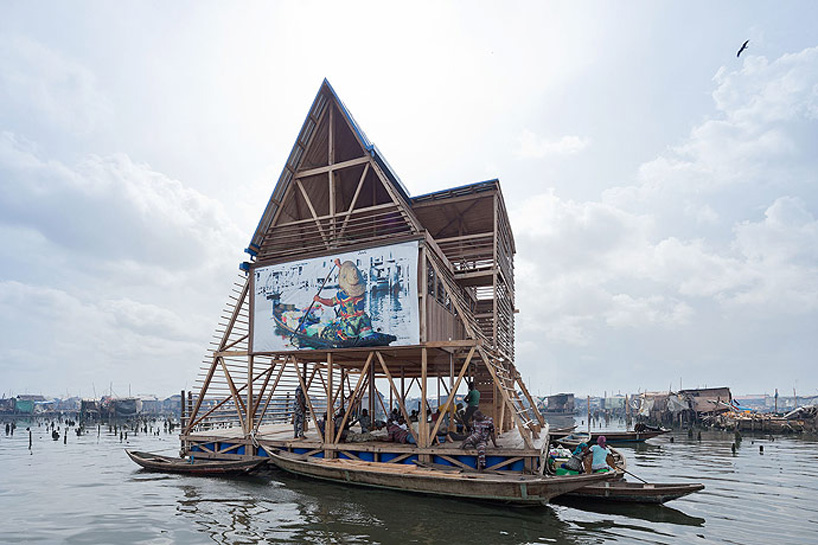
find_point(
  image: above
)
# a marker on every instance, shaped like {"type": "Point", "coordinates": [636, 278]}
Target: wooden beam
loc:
{"type": "Point", "coordinates": [312, 210]}
{"type": "Point", "coordinates": [356, 393]}
{"type": "Point", "coordinates": [524, 431]}
{"type": "Point", "coordinates": [215, 407]}
{"type": "Point", "coordinates": [330, 174]}
{"type": "Point", "coordinates": [403, 207]}
{"type": "Point", "coordinates": [272, 390]}
{"type": "Point", "coordinates": [249, 404]}
{"type": "Point", "coordinates": [225, 336]}
{"type": "Point", "coordinates": [236, 397]}
{"type": "Point", "coordinates": [401, 403]}
{"type": "Point", "coordinates": [237, 341]}
{"type": "Point", "coordinates": [289, 188]}
{"type": "Point", "coordinates": [449, 401]}
{"type": "Point", "coordinates": [353, 202]}
{"type": "Point", "coordinates": [309, 401]}
{"type": "Point", "coordinates": [423, 424]}
{"type": "Point", "coordinates": [329, 423]}
{"type": "Point", "coordinates": [463, 238]}
{"type": "Point", "coordinates": [519, 380]}
{"type": "Point", "coordinates": [308, 173]}
{"type": "Point", "coordinates": [458, 217]}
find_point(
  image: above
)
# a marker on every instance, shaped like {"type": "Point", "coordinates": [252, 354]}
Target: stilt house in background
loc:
{"type": "Point", "coordinates": [438, 271]}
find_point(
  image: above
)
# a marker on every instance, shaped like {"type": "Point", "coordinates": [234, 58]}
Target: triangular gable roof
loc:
{"type": "Point", "coordinates": [325, 96]}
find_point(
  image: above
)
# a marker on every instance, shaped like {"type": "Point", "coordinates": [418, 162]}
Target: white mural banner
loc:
{"type": "Point", "coordinates": [351, 299]}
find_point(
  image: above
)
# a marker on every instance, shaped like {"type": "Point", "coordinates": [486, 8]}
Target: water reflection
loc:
{"type": "Point", "coordinates": [650, 513]}
{"type": "Point", "coordinates": [88, 491]}
{"type": "Point", "coordinates": [288, 509]}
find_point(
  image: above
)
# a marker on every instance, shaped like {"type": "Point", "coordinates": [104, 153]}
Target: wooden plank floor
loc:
{"type": "Point", "coordinates": [281, 435]}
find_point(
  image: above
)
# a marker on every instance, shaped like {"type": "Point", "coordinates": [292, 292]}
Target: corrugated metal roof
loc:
{"type": "Point", "coordinates": [468, 189]}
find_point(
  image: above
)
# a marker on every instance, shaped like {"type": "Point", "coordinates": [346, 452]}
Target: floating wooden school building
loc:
{"type": "Point", "coordinates": [419, 301]}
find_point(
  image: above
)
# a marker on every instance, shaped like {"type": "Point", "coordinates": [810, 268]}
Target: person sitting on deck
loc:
{"type": "Point", "coordinates": [460, 418]}
{"type": "Point", "coordinates": [340, 434]}
{"type": "Point", "coordinates": [398, 432]}
{"type": "Point", "coordinates": [365, 421]}
{"type": "Point", "coordinates": [602, 455]}
{"type": "Point", "coordinates": [482, 431]}
{"type": "Point", "coordinates": [577, 459]}
{"type": "Point", "coordinates": [442, 435]}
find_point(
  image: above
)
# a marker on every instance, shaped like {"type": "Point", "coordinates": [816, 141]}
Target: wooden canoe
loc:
{"type": "Point", "coordinates": [611, 437]}
{"type": "Point", "coordinates": [618, 459]}
{"type": "Point", "coordinates": [627, 436]}
{"type": "Point", "coordinates": [515, 489]}
{"type": "Point", "coordinates": [304, 340]}
{"type": "Point", "coordinates": [194, 466]}
{"type": "Point", "coordinates": [562, 432]}
{"type": "Point", "coordinates": [626, 491]}
{"type": "Point", "coordinates": [573, 440]}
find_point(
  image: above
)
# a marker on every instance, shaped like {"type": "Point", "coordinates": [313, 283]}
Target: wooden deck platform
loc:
{"type": "Point", "coordinates": [229, 443]}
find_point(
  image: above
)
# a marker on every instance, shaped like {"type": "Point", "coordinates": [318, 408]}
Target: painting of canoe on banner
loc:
{"type": "Point", "coordinates": [350, 299]}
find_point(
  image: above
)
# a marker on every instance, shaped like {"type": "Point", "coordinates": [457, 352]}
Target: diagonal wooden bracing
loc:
{"type": "Point", "coordinates": [529, 426]}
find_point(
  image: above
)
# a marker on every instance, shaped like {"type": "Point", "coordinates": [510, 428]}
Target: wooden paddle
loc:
{"type": "Point", "coordinates": [309, 308]}
{"type": "Point", "coordinates": [612, 462]}
{"type": "Point", "coordinates": [628, 472]}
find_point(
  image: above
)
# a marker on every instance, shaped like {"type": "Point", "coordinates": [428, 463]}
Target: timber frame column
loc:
{"type": "Point", "coordinates": [250, 406]}
{"type": "Point", "coordinates": [329, 423]}
{"type": "Point", "coordinates": [423, 425]}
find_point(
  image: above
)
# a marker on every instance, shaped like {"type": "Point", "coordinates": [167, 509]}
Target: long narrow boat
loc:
{"type": "Point", "coordinates": [193, 466]}
{"type": "Point", "coordinates": [303, 339]}
{"type": "Point", "coordinates": [628, 436]}
{"type": "Point", "coordinates": [612, 437]}
{"type": "Point", "coordinates": [626, 491]}
{"type": "Point", "coordinates": [561, 432]}
{"type": "Point", "coordinates": [573, 439]}
{"type": "Point", "coordinates": [489, 486]}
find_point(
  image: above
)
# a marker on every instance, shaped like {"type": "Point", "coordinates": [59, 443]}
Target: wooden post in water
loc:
{"type": "Point", "coordinates": [589, 414]}
{"type": "Point", "coordinates": [182, 409]}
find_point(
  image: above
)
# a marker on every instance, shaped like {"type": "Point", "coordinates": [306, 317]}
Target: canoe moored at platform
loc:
{"type": "Point", "coordinates": [193, 466]}
{"type": "Point", "coordinates": [503, 488]}
{"type": "Point", "coordinates": [628, 436]}
{"type": "Point", "coordinates": [626, 491]}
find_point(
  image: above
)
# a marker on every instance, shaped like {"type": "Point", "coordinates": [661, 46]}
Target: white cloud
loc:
{"type": "Point", "coordinates": [54, 338]}
{"type": "Point", "coordinates": [532, 146]}
{"type": "Point", "coordinates": [686, 246]}
{"type": "Point", "coordinates": [629, 311]}
{"type": "Point", "coordinates": [110, 208]}
{"type": "Point", "coordinates": [41, 85]}
{"type": "Point", "coordinates": [121, 270]}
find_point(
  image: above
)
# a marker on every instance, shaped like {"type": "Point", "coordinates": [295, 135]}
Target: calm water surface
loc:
{"type": "Point", "coordinates": [88, 492]}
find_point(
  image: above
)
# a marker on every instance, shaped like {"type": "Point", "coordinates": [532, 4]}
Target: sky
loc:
{"type": "Point", "coordinates": [663, 192]}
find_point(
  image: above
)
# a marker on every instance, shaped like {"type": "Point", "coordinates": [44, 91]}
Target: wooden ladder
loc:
{"type": "Point", "coordinates": [507, 379]}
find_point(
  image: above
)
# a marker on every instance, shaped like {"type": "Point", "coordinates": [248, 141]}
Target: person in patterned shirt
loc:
{"type": "Point", "coordinates": [483, 430]}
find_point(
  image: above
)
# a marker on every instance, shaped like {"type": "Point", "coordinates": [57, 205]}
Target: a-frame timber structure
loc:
{"type": "Point", "coordinates": [337, 193]}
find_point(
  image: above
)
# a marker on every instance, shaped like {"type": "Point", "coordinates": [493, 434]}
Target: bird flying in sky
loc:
{"type": "Point", "coordinates": [743, 47]}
